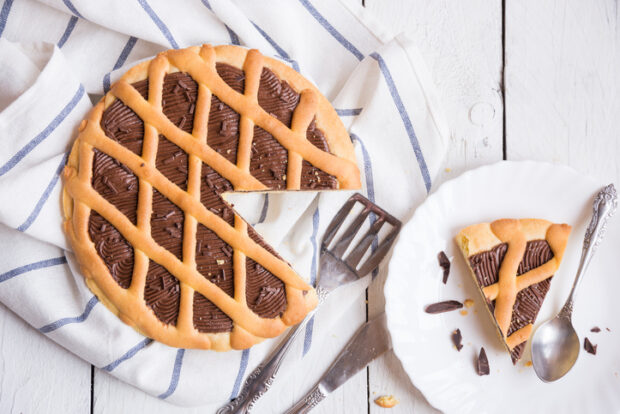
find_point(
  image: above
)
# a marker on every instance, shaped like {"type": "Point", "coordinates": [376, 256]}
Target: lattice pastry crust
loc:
{"type": "Point", "coordinates": [516, 233]}
{"type": "Point", "coordinates": [79, 196]}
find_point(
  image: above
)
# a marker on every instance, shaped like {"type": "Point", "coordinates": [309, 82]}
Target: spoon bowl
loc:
{"type": "Point", "coordinates": [555, 348]}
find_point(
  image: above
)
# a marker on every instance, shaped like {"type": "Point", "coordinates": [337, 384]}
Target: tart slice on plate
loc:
{"type": "Point", "coordinates": [512, 262]}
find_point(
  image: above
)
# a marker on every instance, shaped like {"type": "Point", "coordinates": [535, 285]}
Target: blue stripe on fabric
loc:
{"type": "Point", "coordinates": [207, 4]}
{"type": "Point", "coordinates": [72, 8]}
{"type": "Point", "coordinates": [159, 23]}
{"type": "Point", "coordinates": [245, 356]}
{"type": "Point", "coordinates": [308, 337]}
{"type": "Point", "coordinates": [313, 273]}
{"type": "Point", "coordinates": [32, 266]}
{"type": "Point", "coordinates": [406, 120]}
{"type": "Point", "coordinates": [332, 30]}
{"type": "Point", "coordinates": [370, 186]}
{"type": "Point", "coordinates": [4, 14]}
{"type": "Point", "coordinates": [176, 373]}
{"type": "Point", "coordinates": [75, 319]}
{"type": "Point", "coordinates": [131, 42]}
{"type": "Point", "coordinates": [70, 26]}
{"type": "Point", "coordinates": [263, 212]}
{"type": "Point", "coordinates": [128, 355]}
{"type": "Point", "coordinates": [46, 194]}
{"type": "Point", "coordinates": [370, 189]}
{"type": "Point", "coordinates": [349, 112]}
{"type": "Point", "coordinates": [43, 134]}
{"type": "Point", "coordinates": [234, 39]}
{"type": "Point", "coordinates": [277, 47]}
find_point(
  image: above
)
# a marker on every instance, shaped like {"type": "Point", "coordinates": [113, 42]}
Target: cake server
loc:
{"type": "Point", "coordinates": [335, 270]}
{"type": "Point", "coordinates": [368, 343]}
{"type": "Point", "coordinates": [555, 345]}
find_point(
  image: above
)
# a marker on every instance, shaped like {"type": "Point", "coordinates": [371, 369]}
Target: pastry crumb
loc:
{"type": "Point", "coordinates": [528, 364]}
{"type": "Point", "coordinates": [463, 312]}
{"type": "Point", "coordinates": [448, 170]}
{"type": "Point", "coordinates": [468, 303]}
{"type": "Point", "coordinates": [386, 401]}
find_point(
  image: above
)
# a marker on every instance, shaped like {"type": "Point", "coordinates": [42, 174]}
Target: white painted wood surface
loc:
{"type": "Point", "coordinates": [562, 100]}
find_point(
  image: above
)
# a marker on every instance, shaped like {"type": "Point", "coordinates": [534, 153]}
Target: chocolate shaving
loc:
{"type": "Point", "coordinates": [174, 232]}
{"type": "Point", "coordinates": [482, 364]}
{"type": "Point", "coordinates": [444, 262]}
{"type": "Point", "coordinates": [595, 329]}
{"type": "Point", "coordinates": [456, 339]}
{"type": "Point", "coordinates": [106, 181]}
{"type": "Point", "coordinates": [589, 347]}
{"type": "Point", "coordinates": [265, 292]}
{"type": "Point", "coordinates": [227, 251]}
{"type": "Point", "coordinates": [445, 306]}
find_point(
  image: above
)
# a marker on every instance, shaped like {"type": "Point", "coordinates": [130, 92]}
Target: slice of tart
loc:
{"type": "Point", "coordinates": [512, 262]}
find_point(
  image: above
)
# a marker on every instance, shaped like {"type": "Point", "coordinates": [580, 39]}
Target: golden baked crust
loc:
{"type": "Point", "coordinates": [516, 233]}
{"type": "Point", "coordinates": [79, 197]}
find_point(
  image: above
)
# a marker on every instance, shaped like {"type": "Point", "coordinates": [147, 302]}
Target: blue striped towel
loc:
{"type": "Point", "coordinates": [375, 79]}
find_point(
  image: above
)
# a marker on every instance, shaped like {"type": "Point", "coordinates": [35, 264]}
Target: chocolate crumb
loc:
{"type": "Point", "coordinates": [456, 339]}
{"type": "Point", "coordinates": [444, 262]}
{"type": "Point", "coordinates": [445, 306]}
{"type": "Point", "coordinates": [482, 364]}
{"type": "Point", "coordinates": [608, 330]}
{"type": "Point", "coordinates": [589, 347]}
{"type": "Point", "coordinates": [595, 329]}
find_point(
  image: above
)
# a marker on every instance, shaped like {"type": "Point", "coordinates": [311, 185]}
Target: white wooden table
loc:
{"type": "Point", "coordinates": [518, 79]}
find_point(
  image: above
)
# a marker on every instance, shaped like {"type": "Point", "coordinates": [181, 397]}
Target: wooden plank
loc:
{"type": "Point", "coordinates": [462, 45]}
{"type": "Point", "coordinates": [562, 83]}
{"type": "Point", "coordinates": [36, 374]}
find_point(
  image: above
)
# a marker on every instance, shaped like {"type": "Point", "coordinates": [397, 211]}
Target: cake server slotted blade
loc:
{"type": "Point", "coordinates": [336, 268]}
{"type": "Point", "coordinates": [368, 343]}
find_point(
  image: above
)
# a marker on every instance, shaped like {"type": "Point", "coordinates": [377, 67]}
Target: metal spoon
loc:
{"type": "Point", "coordinates": [555, 345]}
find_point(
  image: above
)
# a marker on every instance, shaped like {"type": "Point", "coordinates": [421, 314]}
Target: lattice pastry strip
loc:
{"type": "Point", "coordinates": [80, 198]}
{"type": "Point", "coordinates": [532, 250]}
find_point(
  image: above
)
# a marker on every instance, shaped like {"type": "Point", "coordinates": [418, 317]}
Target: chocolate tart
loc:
{"type": "Point", "coordinates": [512, 263]}
{"type": "Point", "coordinates": [155, 240]}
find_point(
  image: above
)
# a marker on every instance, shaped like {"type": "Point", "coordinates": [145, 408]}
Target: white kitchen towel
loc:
{"type": "Point", "coordinates": [54, 53]}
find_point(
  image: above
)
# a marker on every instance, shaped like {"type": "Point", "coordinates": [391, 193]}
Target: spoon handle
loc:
{"type": "Point", "coordinates": [603, 208]}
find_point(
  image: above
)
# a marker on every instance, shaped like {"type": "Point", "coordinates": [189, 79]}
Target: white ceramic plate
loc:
{"type": "Point", "coordinates": [422, 341]}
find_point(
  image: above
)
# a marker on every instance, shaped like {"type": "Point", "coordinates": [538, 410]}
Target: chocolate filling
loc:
{"type": "Point", "coordinates": [265, 293]}
{"type": "Point", "coordinates": [486, 268]}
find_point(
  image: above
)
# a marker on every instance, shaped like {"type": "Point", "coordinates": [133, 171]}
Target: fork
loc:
{"type": "Point", "coordinates": [335, 271]}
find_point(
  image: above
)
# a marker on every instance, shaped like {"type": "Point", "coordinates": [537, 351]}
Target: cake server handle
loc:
{"type": "Point", "coordinates": [260, 380]}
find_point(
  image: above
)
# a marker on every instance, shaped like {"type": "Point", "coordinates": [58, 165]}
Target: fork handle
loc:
{"type": "Point", "coordinates": [260, 380]}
